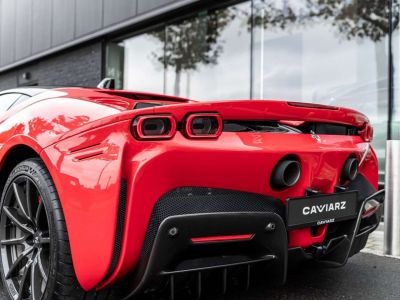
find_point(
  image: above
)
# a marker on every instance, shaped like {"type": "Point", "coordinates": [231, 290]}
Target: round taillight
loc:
{"type": "Point", "coordinates": [204, 126]}
{"type": "Point", "coordinates": [154, 127]}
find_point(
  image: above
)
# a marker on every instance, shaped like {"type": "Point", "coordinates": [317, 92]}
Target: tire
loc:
{"type": "Point", "coordinates": [47, 252]}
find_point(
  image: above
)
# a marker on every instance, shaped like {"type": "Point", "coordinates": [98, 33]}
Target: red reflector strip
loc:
{"type": "Point", "coordinates": [369, 212]}
{"type": "Point", "coordinates": [222, 238]}
{"type": "Point", "coordinates": [312, 105]}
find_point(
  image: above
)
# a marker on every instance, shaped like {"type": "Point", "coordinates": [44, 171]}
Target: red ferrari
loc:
{"type": "Point", "coordinates": [104, 188]}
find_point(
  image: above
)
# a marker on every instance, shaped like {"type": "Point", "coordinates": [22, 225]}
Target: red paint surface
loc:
{"type": "Point", "coordinates": [84, 137]}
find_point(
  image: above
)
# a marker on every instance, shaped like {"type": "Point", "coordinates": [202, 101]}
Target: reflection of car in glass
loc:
{"type": "Point", "coordinates": [104, 188]}
{"type": "Point", "coordinates": [367, 98]}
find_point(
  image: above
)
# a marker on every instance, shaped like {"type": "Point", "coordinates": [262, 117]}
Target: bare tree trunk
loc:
{"type": "Point", "coordinates": [187, 85]}
{"type": "Point", "coordinates": [382, 77]}
{"type": "Point", "coordinates": [177, 86]}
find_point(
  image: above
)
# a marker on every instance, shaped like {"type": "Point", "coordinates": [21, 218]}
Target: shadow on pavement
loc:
{"type": "Point", "coordinates": [366, 276]}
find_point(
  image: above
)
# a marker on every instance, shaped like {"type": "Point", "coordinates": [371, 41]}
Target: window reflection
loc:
{"type": "Point", "coordinates": [203, 57]}
{"type": "Point", "coordinates": [140, 70]}
{"type": "Point", "coordinates": [330, 52]}
{"type": "Point", "coordinates": [6, 100]}
{"type": "Point", "coordinates": [322, 51]}
{"type": "Point", "coordinates": [208, 57]}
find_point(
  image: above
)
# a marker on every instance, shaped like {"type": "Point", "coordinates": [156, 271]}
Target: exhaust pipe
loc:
{"type": "Point", "coordinates": [286, 174]}
{"type": "Point", "coordinates": [350, 169]}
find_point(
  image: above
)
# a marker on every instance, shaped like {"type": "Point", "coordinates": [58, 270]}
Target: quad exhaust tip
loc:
{"type": "Point", "coordinates": [350, 169]}
{"type": "Point", "coordinates": [286, 174]}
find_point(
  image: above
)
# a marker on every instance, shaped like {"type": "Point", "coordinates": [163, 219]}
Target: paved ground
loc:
{"type": "Point", "coordinates": [366, 276]}
{"type": "Point", "coordinates": [375, 241]}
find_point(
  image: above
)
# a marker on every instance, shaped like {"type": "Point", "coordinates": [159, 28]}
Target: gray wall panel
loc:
{"type": "Point", "coordinates": [146, 5]}
{"type": "Point", "coordinates": [38, 28]}
{"type": "Point", "coordinates": [115, 13]}
{"type": "Point", "coordinates": [7, 31]}
{"type": "Point", "coordinates": [77, 67]}
{"type": "Point", "coordinates": [8, 80]}
{"type": "Point", "coordinates": [89, 16]}
{"type": "Point", "coordinates": [23, 25]}
{"type": "Point", "coordinates": [63, 17]}
{"type": "Point", "coordinates": [41, 25]}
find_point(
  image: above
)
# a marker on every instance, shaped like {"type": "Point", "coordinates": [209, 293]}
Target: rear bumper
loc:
{"type": "Point", "coordinates": [184, 215]}
{"type": "Point", "coordinates": [344, 239]}
{"type": "Point", "coordinates": [105, 217]}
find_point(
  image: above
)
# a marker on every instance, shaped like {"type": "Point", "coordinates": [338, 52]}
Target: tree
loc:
{"type": "Point", "coordinates": [192, 43]}
{"type": "Point", "coordinates": [197, 41]}
{"type": "Point", "coordinates": [352, 19]}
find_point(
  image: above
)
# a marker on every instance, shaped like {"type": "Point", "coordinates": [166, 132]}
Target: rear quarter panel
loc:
{"type": "Point", "coordinates": [41, 122]}
{"type": "Point", "coordinates": [88, 149]}
{"type": "Point", "coordinates": [90, 166]}
{"type": "Point", "coordinates": [87, 173]}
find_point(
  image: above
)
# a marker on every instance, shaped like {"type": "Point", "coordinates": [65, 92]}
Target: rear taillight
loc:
{"type": "Point", "coordinates": [206, 125]}
{"type": "Point", "coordinates": [372, 204]}
{"type": "Point", "coordinates": [370, 207]}
{"type": "Point", "coordinates": [367, 133]}
{"type": "Point", "coordinates": [154, 127]}
{"type": "Point", "coordinates": [222, 238]}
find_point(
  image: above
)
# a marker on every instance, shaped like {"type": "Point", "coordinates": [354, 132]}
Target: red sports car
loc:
{"type": "Point", "coordinates": [104, 188]}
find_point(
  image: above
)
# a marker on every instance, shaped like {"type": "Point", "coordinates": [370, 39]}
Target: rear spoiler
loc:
{"type": "Point", "coordinates": [246, 110]}
{"type": "Point", "coordinates": [273, 110]}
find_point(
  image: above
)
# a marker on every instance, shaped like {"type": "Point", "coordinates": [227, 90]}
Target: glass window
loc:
{"type": "Point", "coordinates": [21, 99]}
{"type": "Point", "coordinates": [143, 62]}
{"type": "Point", "coordinates": [6, 100]}
{"type": "Point", "coordinates": [204, 57]}
{"type": "Point", "coordinates": [329, 52]}
{"type": "Point", "coordinates": [324, 52]}
{"type": "Point", "coordinates": [208, 56]}
{"type": "Point", "coordinates": [115, 63]}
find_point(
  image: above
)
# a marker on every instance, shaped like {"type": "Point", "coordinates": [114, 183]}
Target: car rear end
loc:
{"type": "Point", "coordinates": [219, 185]}
{"type": "Point", "coordinates": [215, 186]}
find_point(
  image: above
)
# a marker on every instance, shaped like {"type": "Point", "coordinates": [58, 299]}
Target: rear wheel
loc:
{"type": "Point", "coordinates": [35, 254]}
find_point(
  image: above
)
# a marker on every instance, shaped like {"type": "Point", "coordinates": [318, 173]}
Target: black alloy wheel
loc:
{"type": "Point", "coordinates": [24, 239]}
{"type": "Point", "coordinates": [35, 256]}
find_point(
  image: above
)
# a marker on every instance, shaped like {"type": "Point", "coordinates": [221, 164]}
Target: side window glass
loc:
{"type": "Point", "coordinates": [7, 100]}
{"type": "Point", "coordinates": [21, 99]}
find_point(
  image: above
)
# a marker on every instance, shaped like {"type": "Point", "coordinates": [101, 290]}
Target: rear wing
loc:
{"type": "Point", "coordinates": [272, 110]}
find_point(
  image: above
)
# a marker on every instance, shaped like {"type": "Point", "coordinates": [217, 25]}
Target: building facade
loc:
{"type": "Point", "coordinates": [343, 53]}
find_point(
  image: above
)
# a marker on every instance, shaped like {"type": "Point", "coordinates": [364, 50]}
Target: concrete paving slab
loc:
{"type": "Point", "coordinates": [366, 276]}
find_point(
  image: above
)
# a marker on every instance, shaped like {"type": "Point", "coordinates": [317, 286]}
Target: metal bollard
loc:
{"type": "Point", "coordinates": [392, 201]}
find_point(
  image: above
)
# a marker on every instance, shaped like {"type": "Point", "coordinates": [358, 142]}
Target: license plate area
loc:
{"type": "Point", "coordinates": [321, 209]}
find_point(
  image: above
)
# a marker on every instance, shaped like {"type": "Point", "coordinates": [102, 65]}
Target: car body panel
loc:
{"type": "Point", "coordinates": [235, 161]}
{"type": "Point", "coordinates": [84, 137]}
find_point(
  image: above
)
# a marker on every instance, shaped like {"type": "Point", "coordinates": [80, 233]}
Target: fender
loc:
{"type": "Point", "coordinates": [87, 173]}
{"type": "Point", "coordinates": [17, 140]}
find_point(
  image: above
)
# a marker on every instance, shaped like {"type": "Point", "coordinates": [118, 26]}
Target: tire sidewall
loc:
{"type": "Point", "coordinates": [32, 168]}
